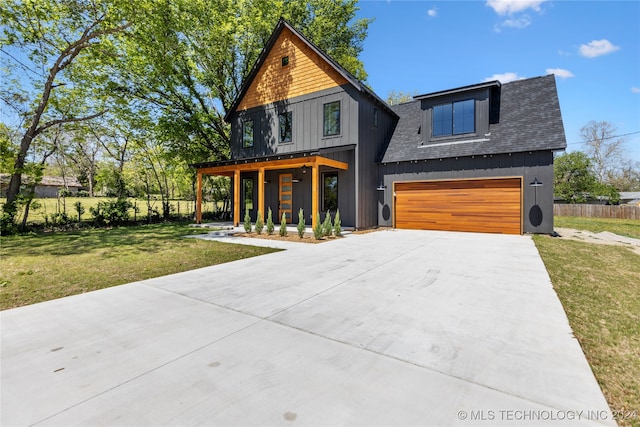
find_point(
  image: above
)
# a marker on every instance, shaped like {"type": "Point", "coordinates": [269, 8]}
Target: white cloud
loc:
{"type": "Point", "coordinates": [559, 72]}
{"type": "Point", "coordinates": [522, 22]}
{"type": "Point", "coordinates": [635, 89]}
{"type": "Point", "coordinates": [597, 48]}
{"type": "Point", "coordinates": [508, 7]}
{"type": "Point", "coordinates": [504, 77]}
{"type": "Point", "coordinates": [433, 12]}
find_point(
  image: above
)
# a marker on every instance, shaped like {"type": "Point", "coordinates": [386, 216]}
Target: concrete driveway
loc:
{"type": "Point", "coordinates": [386, 328]}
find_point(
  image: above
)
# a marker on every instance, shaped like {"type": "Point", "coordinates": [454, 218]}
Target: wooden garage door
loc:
{"type": "Point", "coordinates": [480, 205]}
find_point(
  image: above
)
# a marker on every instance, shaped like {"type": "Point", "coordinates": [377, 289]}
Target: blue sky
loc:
{"type": "Point", "coordinates": [593, 47]}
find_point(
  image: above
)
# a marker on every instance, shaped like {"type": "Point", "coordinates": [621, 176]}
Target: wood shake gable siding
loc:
{"type": "Point", "coordinates": [306, 73]}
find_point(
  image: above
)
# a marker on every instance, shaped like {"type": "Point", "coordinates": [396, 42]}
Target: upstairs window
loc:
{"type": "Point", "coordinates": [456, 118]}
{"type": "Point", "coordinates": [375, 117]}
{"type": "Point", "coordinates": [331, 118]}
{"type": "Point", "coordinates": [286, 127]}
{"type": "Point", "coordinates": [247, 133]}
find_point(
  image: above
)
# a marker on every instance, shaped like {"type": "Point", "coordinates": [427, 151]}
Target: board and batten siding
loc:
{"type": "Point", "coordinates": [527, 165]}
{"type": "Point", "coordinates": [307, 124]}
{"type": "Point", "coordinates": [372, 140]}
{"type": "Point", "coordinates": [305, 73]}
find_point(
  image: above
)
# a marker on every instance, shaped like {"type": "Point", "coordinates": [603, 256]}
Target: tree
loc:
{"type": "Point", "coordinates": [573, 178]}
{"type": "Point", "coordinates": [60, 47]}
{"type": "Point", "coordinates": [399, 97]}
{"type": "Point", "coordinates": [605, 150]}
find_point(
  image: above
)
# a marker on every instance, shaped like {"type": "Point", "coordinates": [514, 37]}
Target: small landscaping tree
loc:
{"type": "Point", "coordinates": [247, 221]}
{"type": "Point", "coordinates": [283, 225]}
{"type": "Point", "coordinates": [270, 225]}
{"type": "Point", "coordinates": [259, 223]}
{"type": "Point", "coordinates": [318, 229]}
{"type": "Point", "coordinates": [79, 210]}
{"type": "Point", "coordinates": [301, 223]}
{"type": "Point", "coordinates": [327, 227]}
{"type": "Point", "coordinates": [337, 224]}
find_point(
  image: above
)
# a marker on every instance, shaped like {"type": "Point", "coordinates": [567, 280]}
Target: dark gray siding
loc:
{"type": "Point", "coordinates": [372, 141]}
{"type": "Point", "coordinates": [537, 218]}
{"type": "Point", "coordinates": [307, 126]}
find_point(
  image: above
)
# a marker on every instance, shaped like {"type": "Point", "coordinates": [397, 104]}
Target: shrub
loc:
{"type": "Point", "coordinates": [59, 219]}
{"type": "Point", "coordinates": [247, 221]}
{"type": "Point", "coordinates": [327, 227]}
{"type": "Point", "coordinates": [111, 212]}
{"type": "Point", "coordinates": [259, 223]}
{"type": "Point", "coordinates": [270, 225]}
{"type": "Point", "coordinates": [318, 229]}
{"type": "Point", "coordinates": [301, 223]}
{"type": "Point", "coordinates": [283, 225]}
{"type": "Point", "coordinates": [337, 224]}
{"type": "Point", "coordinates": [79, 209]}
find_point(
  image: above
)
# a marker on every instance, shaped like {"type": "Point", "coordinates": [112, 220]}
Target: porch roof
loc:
{"type": "Point", "coordinates": [274, 161]}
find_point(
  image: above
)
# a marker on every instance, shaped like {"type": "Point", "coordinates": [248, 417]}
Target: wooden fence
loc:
{"type": "Point", "coordinates": [597, 211]}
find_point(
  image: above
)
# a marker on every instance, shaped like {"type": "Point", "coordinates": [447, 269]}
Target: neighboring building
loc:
{"type": "Point", "coordinates": [630, 198]}
{"type": "Point", "coordinates": [306, 134]}
{"type": "Point", "coordinates": [48, 187]}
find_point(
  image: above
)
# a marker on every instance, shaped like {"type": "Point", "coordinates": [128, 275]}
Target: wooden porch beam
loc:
{"type": "Point", "coordinates": [199, 199]}
{"type": "Point", "coordinates": [261, 193]}
{"type": "Point", "coordinates": [314, 196]}
{"type": "Point", "coordinates": [246, 166]}
{"type": "Point", "coordinates": [236, 198]}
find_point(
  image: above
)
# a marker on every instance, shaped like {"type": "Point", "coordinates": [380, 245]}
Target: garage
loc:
{"type": "Point", "coordinates": [492, 205]}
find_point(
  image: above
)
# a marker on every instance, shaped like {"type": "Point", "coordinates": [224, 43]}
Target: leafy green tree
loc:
{"type": "Point", "coordinates": [64, 47]}
{"type": "Point", "coordinates": [573, 178]}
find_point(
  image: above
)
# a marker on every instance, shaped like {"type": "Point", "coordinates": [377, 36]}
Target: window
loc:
{"type": "Point", "coordinates": [247, 189]}
{"type": "Point", "coordinates": [285, 61]}
{"type": "Point", "coordinates": [454, 119]}
{"type": "Point", "coordinates": [331, 118]}
{"type": "Point", "coordinates": [330, 191]}
{"type": "Point", "coordinates": [247, 133]}
{"type": "Point", "coordinates": [375, 117]}
{"type": "Point", "coordinates": [285, 121]}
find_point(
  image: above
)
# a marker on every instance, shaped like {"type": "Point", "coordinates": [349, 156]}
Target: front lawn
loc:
{"type": "Point", "coordinates": [36, 268]}
{"type": "Point", "coordinates": [599, 287]}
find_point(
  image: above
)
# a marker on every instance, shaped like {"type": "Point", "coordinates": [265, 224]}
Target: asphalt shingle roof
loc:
{"type": "Point", "coordinates": [529, 120]}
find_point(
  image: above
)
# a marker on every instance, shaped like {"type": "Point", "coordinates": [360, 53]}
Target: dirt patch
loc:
{"type": "Point", "coordinates": [602, 238]}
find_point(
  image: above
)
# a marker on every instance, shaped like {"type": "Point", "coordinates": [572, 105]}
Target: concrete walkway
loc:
{"type": "Point", "coordinates": [385, 328]}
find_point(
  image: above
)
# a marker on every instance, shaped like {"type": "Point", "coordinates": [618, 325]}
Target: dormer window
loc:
{"type": "Point", "coordinates": [454, 118]}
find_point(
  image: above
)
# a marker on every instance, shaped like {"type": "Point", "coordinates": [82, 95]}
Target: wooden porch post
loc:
{"type": "Point", "coordinates": [199, 199]}
{"type": "Point", "coordinates": [261, 193]}
{"type": "Point", "coordinates": [236, 197]}
{"type": "Point", "coordinates": [314, 195]}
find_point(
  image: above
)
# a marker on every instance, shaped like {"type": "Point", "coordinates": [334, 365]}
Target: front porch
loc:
{"type": "Point", "coordinates": [290, 166]}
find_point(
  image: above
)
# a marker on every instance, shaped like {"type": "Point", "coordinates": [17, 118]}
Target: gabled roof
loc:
{"type": "Point", "coordinates": [282, 24]}
{"type": "Point", "coordinates": [529, 120]}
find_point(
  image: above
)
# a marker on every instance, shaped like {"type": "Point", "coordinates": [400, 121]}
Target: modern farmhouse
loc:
{"type": "Point", "coordinates": [306, 134]}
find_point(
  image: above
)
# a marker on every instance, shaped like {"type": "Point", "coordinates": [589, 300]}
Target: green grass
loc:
{"type": "Point", "coordinates": [36, 268]}
{"type": "Point", "coordinates": [623, 227]}
{"type": "Point", "coordinates": [49, 206]}
{"type": "Point", "coordinates": [599, 287]}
